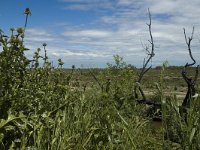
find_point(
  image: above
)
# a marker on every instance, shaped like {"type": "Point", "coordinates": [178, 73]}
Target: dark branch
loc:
{"type": "Point", "coordinates": [150, 55]}
{"type": "Point", "coordinates": [188, 42]}
{"type": "Point", "coordinates": [191, 91]}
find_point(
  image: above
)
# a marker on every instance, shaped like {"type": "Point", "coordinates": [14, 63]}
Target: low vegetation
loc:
{"type": "Point", "coordinates": [42, 107]}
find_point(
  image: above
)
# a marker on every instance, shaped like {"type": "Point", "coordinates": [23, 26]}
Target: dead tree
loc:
{"type": "Point", "coordinates": [150, 55]}
{"type": "Point", "coordinates": [154, 109]}
{"type": "Point", "coordinates": [191, 81]}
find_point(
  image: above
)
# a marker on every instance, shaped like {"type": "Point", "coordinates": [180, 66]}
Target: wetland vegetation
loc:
{"type": "Point", "coordinates": [43, 107]}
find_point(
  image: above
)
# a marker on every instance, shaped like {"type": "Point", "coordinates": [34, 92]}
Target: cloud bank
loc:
{"type": "Point", "coordinates": [120, 28]}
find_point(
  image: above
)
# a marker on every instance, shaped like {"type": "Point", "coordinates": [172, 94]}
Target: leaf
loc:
{"type": "Point", "coordinates": [192, 134]}
{"type": "Point", "coordinates": [11, 118]}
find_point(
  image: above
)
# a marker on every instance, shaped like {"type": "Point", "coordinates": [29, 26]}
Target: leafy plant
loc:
{"type": "Point", "coordinates": [44, 107]}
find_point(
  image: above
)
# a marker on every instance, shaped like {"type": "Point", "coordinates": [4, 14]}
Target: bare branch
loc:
{"type": "Point", "coordinates": [147, 69]}
{"type": "Point", "coordinates": [150, 55]}
{"type": "Point", "coordinates": [191, 91]}
{"type": "Point", "coordinates": [188, 42]}
{"type": "Point", "coordinates": [142, 93]}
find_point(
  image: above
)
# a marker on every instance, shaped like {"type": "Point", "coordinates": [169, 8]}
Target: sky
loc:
{"type": "Point", "coordinates": [88, 33]}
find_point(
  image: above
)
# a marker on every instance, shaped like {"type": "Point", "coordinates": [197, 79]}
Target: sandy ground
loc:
{"type": "Point", "coordinates": [179, 95]}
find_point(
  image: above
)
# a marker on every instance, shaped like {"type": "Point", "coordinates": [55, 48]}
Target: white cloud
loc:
{"type": "Point", "coordinates": [88, 33]}
{"type": "Point", "coordinates": [85, 5]}
{"type": "Point", "coordinates": [38, 35]}
{"type": "Point", "coordinates": [122, 30]}
{"type": "Point", "coordinates": [125, 2]}
{"type": "Point", "coordinates": [37, 32]}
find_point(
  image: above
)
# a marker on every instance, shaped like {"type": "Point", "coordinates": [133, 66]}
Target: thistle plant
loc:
{"type": "Point", "coordinates": [42, 107]}
{"type": "Point", "coordinates": [61, 63]}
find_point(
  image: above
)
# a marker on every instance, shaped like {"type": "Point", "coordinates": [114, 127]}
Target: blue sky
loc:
{"type": "Point", "coordinates": [90, 32]}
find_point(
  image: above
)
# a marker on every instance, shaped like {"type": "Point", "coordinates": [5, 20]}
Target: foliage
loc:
{"type": "Point", "coordinates": [43, 107]}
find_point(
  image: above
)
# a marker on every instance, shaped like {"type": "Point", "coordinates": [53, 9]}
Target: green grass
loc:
{"type": "Point", "coordinates": [42, 107]}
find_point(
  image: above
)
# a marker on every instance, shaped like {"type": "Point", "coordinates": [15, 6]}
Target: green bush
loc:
{"type": "Point", "coordinates": [43, 107]}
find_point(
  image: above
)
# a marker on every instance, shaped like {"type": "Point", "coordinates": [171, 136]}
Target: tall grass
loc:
{"type": "Point", "coordinates": [48, 108]}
